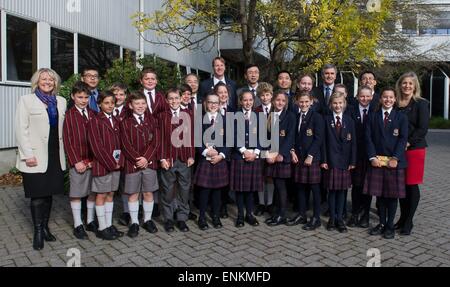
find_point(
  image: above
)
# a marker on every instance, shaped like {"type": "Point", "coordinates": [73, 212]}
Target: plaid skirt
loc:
{"type": "Point", "coordinates": [384, 182]}
{"type": "Point", "coordinates": [246, 176]}
{"type": "Point", "coordinates": [337, 179]}
{"type": "Point", "coordinates": [208, 175]}
{"type": "Point", "coordinates": [278, 170]}
{"type": "Point", "coordinates": [307, 174]}
{"type": "Point", "coordinates": [359, 173]}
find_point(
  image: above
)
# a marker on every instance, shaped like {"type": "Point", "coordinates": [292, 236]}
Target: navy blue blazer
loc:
{"type": "Point", "coordinates": [286, 135]}
{"type": "Point", "coordinates": [208, 85]}
{"type": "Point", "coordinates": [339, 151]}
{"type": "Point", "coordinates": [251, 131]}
{"type": "Point", "coordinates": [390, 141]}
{"type": "Point", "coordinates": [309, 140]}
{"type": "Point", "coordinates": [360, 130]}
{"type": "Point", "coordinates": [223, 148]}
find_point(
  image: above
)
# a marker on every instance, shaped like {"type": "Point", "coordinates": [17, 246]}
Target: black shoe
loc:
{"type": "Point", "coordinates": [277, 221]}
{"type": "Point", "coordinates": [353, 222]}
{"type": "Point", "coordinates": [239, 222]}
{"type": "Point", "coordinates": [46, 216]}
{"type": "Point", "coordinates": [216, 222]}
{"type": "Point", "coordinates": [38, 237]}
{"type": "Point", "coordinates": [150, 226]}
{"type": "Point", "coordinates": [133, 231]}
{"type": "Point", "coordinates": [377, 230]}
{"type": "Point", "coordinates": [312, 224]}
{"type": "Point", "coordinates": [155, 212]}
{"type": "Point", "coordinates": [169, 226]}
{"type": "Point", "coordinates": [106, 234]}
{"type": "Point", "coordinates": [80, 233]}
{"type": "Point", "coordinates": [331, 225]}
{"type": "Point", "coordinates": [341, 226]}
{"type": "Point", "coordinates": [192, 216]}
{"type": "Point", "coordinates": [398, 225]}
{"type": "Point", "coordinates": [299, 219]}
{"type": "Point", "coordinates": [364, 221]}
{"type": "Point", "coordinates": [125, 219]}
{"type": "Point", "coordinates": [224, 212]}
{"type": "Point", "coordinates": [182, 226]}
{"type": "Point", "coordinates": [37, 214]}
{"type": "Point", "coordinates": [116, 231]}
{"type": "Point", "coordinates": [270, 219]}
{"type": "Point", "coordinates": [250, 219]}
{"type": "Point", "coordinates": [260, 209]}
{"type": "Point", "coordinates": [92, 227]}
{"type": "Point", "coordinates": [202, 224]}
{"type": "Point", "coordinates": [389, 233]}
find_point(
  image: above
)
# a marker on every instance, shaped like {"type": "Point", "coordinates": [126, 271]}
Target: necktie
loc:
{"type": "Point", "coordinates": [152, 103]}
{"type": "Point", "coordinates": [246, 115]}
{"type": "Point", "coordinates": [303, 118]}
{"type": "Point", "coordinates": [93, 102]}
{"type": "Point", "coordinates": [364, 119]}
{"type": "Point", "coordinates": [338, 125]}
{"type": "Point", "coordinates": [212, 120]}
{"type": "Point", "coordinates": [253, 92]}
{"type": "Point", "coordinates": [302, 121]}
{"type": "Point", "coordinates": [327, 94]}
{"type": "Point", "coordinates": [386, 118]}
{"type": "Point", "coordinates": [117, 112]}
{"type": "Point", "coordinates": [192, 103]}
{"type": "Point", "coordinates": [141, 121]}
{"type": "Point", "coordinates": [267, 111]}
{"type": "Point", "coordinates": [111, 121]}
{"type": "Point", "coordinates": [84, 114]}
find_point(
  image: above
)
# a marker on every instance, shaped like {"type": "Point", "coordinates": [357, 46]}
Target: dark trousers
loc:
{"type": "Point", "coordinates": [386, 210]}
{"type": "Point", "coordinates": [336, 204]}
{"type": "Point", "coordinates": [303, 198]}
{"type": "Point", "coordinates": [244, 198]}
{"type": "Point", "coordinates": [206, 194]}
{"type": "Point", "coordinates": [281, 198]}
{"type": "Point", "coordinates": [408, 206]}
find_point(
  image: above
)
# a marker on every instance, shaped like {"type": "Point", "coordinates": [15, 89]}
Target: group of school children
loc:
{"type": "Point", "coordinates": [128, 145]}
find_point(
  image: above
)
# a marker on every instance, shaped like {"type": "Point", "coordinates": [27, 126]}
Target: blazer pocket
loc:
{"type": "Point", "coordinates": [35, 112]}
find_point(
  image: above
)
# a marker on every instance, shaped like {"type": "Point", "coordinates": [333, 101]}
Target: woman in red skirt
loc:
{"type": "Point", "coordinates": [417, 111]}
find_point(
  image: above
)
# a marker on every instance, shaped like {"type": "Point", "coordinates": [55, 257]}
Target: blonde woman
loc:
{"type": "Point", "coordinates": [39, 121]}
{"type": "Point", "coordinates": [417, 111]}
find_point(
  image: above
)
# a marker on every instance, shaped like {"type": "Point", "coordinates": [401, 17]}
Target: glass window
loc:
{"type": "Point", "coordinates": [440, 24]}
{"type": "Point", "coordinates": [409, 24]}
{"type": "Point", "coordinates": [62, 53]}
{"type": "Point", "coordinates": [96, 53]}
{"type": "Point", "coordinates": [21, 53]}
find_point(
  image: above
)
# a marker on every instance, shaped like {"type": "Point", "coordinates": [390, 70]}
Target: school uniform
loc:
{"type": "Point", "coordinates": [360, 201]}
{"type": "Point", "coordinates": [156, 102]}
{"type": "Point", "coordinates": [339, 152]}
{"type": "Point", "coordinates": [208, 85]}
{"type": "Point", "coordinates": [121, 112]}
{"type": "Point", "coordinates": [75, 137]}
{"type": "Point", "coordinates": [309, 138]}
{"type": "Point", "coordinates": [245, 177]}
{"type": "Point", "coordinates": [211, 179]}
{"type": "Point", "coordinates": [104, 140]}
{"type": "Point", "coordinates": [386, 135]}
{"type": "Point", "coordinates": [281, 171]}
{"type": "Point", "coordinates": [177, 158]}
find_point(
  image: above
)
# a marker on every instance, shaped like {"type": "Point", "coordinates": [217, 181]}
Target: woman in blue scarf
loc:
{"type": "Point", "coordinates": [39, 120]}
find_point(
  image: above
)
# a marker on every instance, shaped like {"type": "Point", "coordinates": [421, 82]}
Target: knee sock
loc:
{"type": "Point", "coordinates": [100, 210]}
{"type": "Point", "coordinates": [108, 213]}
{"type": "Point", "coordinates": [76, 213]}
{"type": "Point", "coordinates": [90, 211]}
{"type": "Point", "coordinates": [148, 209]}
{"type": "Point", "coordinates": [134, 211]}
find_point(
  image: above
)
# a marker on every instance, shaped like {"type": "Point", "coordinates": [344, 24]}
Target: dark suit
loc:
{"type": "Point", "coordinates": [208, 85]}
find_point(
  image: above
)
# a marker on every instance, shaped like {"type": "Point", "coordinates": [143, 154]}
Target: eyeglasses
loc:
{"type": "Point", "coordinates": [212, 103]}
{"type": "Point", "coordinates": [91, 76]}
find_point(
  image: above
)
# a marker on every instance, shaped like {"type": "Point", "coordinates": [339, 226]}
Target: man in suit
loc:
{"type": "Point", "coordinates": [192, 80]}
{"type": "Point", "coordinates": [206, 86]}
{"type": "Point", "coordinates": [90, 76]}
{"type": "Point", "coordinates": [325, 89]}
{"type": "Point", "coordinates": [252, 77]}
{"type": "Point", "coordinates": [368, 78]}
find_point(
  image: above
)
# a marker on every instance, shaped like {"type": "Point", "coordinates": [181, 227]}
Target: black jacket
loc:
{"type": "Point", "coordinates": [418, 114]}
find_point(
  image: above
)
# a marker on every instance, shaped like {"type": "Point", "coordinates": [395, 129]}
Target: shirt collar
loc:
{"type": "Point", "coordinates": [361, 108]}
{"type": "Point", "coordinates": [212, 115]}
{"type": "Point", "coordinates": [251, 88]}
{"type": "Point", "coordinates": [388, 110]}
{"type": "Point", "coordinates": [147, 91]}
{"type": "Point", "coordinates": [136, 116]}
{"type": "Point", "coordinates": [300, 112]}
{"type": "Point", "coordinates": [337, 115]}
{"type": "Point", "coordinates": [107, 116]}
{"type": "Point", "coordinates": [177, 110]}
{"type": "Point", "coordinates": [81, 110]}
{"type": "Point", "coordinates": [215, 80]}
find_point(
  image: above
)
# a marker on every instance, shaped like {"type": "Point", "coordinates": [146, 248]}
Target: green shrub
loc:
{"type": "Point", "coordinates": [439, 123]}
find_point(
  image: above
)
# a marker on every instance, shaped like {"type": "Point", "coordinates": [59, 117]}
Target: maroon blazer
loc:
{"type": "Point", "coordinates": [124, 113]}
{"type": "Point", "coordinates": [104, 139]}
{"type": "Point", "coordinates": [167, 150]}
{"type": "Point", "coordinates": [160, 103]}
{"type": "Point", "coordinates": [139, 141]}
{"type": "Point", "coordinates": [75, 136]}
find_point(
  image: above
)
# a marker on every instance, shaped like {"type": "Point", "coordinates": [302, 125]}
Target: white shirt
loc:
{"type": "Point", "coordinates": [361, 111]}
{"type": "Point", "coordinates": [177, 112]}
{"type": "Point", "coordinates": [136, 116]}
{"type": "Point", "coordinates": [110, 119]}
{"type": "Point", "coordinates": [81, 111]}
{"type": "Point", "coordinates": [149, 103]}
{"type": "Point", "coordinates": [337, 115]}
{"type": "Point", "coordinates": [210, 115]}
{"type": "Point", "coordinates": [250, 88]}
{"type": "Point", "coordinates": [300, 121]}
{"type": "Point", "coordinates": [388, 110]}
{"type": "Point", "coordinates": [216, 80]}
{"type": "Point", "coordinates": [268, 108]}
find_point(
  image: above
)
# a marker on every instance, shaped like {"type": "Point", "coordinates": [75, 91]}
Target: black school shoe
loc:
{"type": "Point", "coordinates": [239, 222]}
{"type": "Point", "coordinates": [389, 233]}
{"type": "Point", "coordinates": [124, 219]}
{"type": "Point", "coordinates": [169, 226]}
{"type": "Point", "coordinates": [92, 227]}
{"type": "Point", "coordinates": [353, 222]}
{"type": "Point", "coordinates": [116, 231]}
{"type": "Point", "coordinates": [216, 222]}
{"type": "Point", "coordinates": [260, 209]}
{"type": "Point", "coordinates": [299, 219]}
{"type": "Point", "coordinates": [377, 230]}
{"type": "Point", "coordinates": [202, 224]}
{"type": "Point", "coordinates": [106, 234]}
{"type": "Point", "coordinates": [80, 233]}
{"type": "Point", "coordinates": [312, 224]}
{"type": "Point", "coordinates": [133, 231]}
{"type": "Point", "coordinates": [341, 226]}
{"type": "Point", "coordinates": [150, 226]}
{"type": "Point", "coordinates": [331, 225]}
{"type": "Point", "coordinates": [250, 219]}
{"type": "Point", "coordinates": [182, 226]}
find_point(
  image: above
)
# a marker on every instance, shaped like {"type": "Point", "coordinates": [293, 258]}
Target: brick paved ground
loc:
{"type": "Point", "coordinates": [429, 244]}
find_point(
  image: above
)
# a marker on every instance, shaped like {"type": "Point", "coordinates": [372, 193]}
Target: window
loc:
{"type": "Point", "coordinates": [21, 53]}
{"type": "Point", "coordinates": [409, 24]}
{"type": "Point", "coordinates": [62, 53]}
{"type": "Point", "coordinates": [183, 71]}
{"type": "Point", "coordinates": [129, 53]}
{"type": "Point", "coordinates": [440, 25]}
{"type": "Point", "coordinates": [96, 53]}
